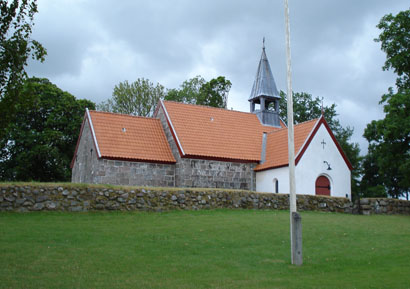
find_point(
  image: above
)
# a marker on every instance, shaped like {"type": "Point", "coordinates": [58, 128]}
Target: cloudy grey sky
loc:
{"type": "Point", "coordinates": [93, 45]}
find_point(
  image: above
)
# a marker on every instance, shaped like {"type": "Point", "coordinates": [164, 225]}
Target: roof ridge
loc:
{"type": "Point", "coordinates": [277, 130]}
{"type": "Point", "coordinates": [207, 106]}
{"type": "Point", "coordinates": [304, 122]}
{"type": "Point", "coordinates": [123, 114]}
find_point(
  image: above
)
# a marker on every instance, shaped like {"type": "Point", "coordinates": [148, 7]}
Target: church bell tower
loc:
{"type": "Point", "coordinates": [265, 94]}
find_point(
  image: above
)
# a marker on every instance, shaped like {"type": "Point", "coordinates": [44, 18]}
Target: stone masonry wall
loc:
{"type": "Point", "coordinates": [75, 197]}
{"type": "Point", "coordinates": [371, 206]}
{"type": "Point", "coordinates": [86, 159]}
{"type": "Point", "coordinates": [134, 173]}
{"type": "Point", "coordinates": [88, 168]}
{"type": "Point", "coordinates": [199, 173]}
{"type": "Point", "coordinates": [187, 172]}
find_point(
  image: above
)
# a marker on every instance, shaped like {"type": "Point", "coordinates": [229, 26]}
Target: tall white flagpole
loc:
{"type": "Point", "coordinates": [295, 227]}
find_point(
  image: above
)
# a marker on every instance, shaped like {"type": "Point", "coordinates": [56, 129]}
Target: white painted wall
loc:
{"type": "Point", "coordinates": [309, 168]}
{"type": "Point", "coordinates": [264, 180]}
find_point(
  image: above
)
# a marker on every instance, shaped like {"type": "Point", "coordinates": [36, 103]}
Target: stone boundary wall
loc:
{"type": "Point", "coordinates": [82, 198]}
{"type": "Point", "coordinates": [25, 198]}
{"type": "Point", "coordinates": [370, 206]}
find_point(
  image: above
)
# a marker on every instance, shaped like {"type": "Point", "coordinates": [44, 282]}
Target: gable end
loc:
{"type": "Point", "coordinates": [87, 117]}
{"type": "Point", "coordinates": [173, 132]}
{"type": "Point", "coordinates": [310, 138]}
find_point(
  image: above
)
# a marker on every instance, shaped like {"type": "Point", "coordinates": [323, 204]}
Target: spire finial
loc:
{"type": "Point", "coordinates": [263, 43]}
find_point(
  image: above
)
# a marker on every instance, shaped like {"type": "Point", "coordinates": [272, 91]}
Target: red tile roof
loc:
{"type": "Point", "coordinates": [121, 136]}
{"type": "Point", "coordinates": [277, 154]}
{"type": "Point", "coordinates": [202, 132]}
{"type": "Point", "coordinates": [216, 133]}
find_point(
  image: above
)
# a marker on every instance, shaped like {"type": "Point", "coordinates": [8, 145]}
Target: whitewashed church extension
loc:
{"type": "Point", "coordinates": [321, 168]}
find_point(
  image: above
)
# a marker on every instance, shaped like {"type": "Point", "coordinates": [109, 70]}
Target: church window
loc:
{"type": "Point", "coordinates": [275, 186]}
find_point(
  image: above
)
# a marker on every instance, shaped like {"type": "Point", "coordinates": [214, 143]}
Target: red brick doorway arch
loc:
{"type": "Point", "coordinates": [322, 186]}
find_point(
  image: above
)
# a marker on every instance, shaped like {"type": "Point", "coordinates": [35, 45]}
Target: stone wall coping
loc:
{"type": "Point", "coordinates": [386, 199]}
{"type": "Point", "coordinates": [24, 197]}
{"type": "Point", "coordinates": [118, 187]}
{"type": "Point", "coordinates": [134, 188]}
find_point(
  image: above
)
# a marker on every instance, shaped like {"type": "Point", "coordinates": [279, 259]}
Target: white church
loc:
{"type": "Point", "coordinates": [187, 145]}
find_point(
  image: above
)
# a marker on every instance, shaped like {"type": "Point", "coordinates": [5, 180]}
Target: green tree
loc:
{"type": "Point", "coordinates": [189, 91]}
{"type": "Point", "coordinates": [305, 108]}
{"type": "Point", "coordinates": [370, 185]}
{"type": "Point", "coordinates": [215, 92]}
{"type": "Point", "coordinates": [395, 42]}
{"type": "Point", "coordinates": [40, 144]}
{"type": "Point", "coordinates": [16, 47]}
{"type": "Point", "coordinates": [389, 138]}
{"type": "Point", "coordinates": [138, 98]}
{"type": "Point", "coordinates": [197, 91]}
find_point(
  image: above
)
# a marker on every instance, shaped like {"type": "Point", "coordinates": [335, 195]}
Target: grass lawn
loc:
{"type": "Point", "coordinates": [203, 249]}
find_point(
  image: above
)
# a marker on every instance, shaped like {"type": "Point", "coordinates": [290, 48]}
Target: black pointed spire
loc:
{"type": "Point", "coordinates": [264, 84]}
{"type": "Point", "coordinates": [265, 93]}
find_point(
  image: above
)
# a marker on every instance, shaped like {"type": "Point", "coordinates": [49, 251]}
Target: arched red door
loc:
{"type": "Point", "coordinates": [322, 186]}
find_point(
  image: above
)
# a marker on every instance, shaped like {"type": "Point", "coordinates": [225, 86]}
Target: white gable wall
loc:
{"type": "Point", "coordinates": [309, 168]}
{"type": "Point", "coordinates": [312, 165]}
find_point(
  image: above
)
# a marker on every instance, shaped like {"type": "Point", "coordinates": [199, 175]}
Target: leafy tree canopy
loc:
{"type": "Point", "coordinates": [198, 91]}
{"type": "Point", "coordinates": [141, 97]}
{"type": "Point", "coordinates": [305, 108]}
{"type": "Point", "coordinates": [40, 144]}
{"type": "Point", "coordinates": [137, 98]}
{"type": "Point", "coordinates": [388, 159]}
{"type": "Point", "coordinates": [370, 185]}
{"type": "Point", "coordinates": [389, 140]}
{"type": "Point", "coordinates": [189, 91]}
{"type": "Point", "coordinates": [16, 47]}
{"type": "Point", "coordinates": [395, 42]}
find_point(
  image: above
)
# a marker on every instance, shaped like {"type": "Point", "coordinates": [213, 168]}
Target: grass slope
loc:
{"type": "Point", "coordinates": [205, 249]}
